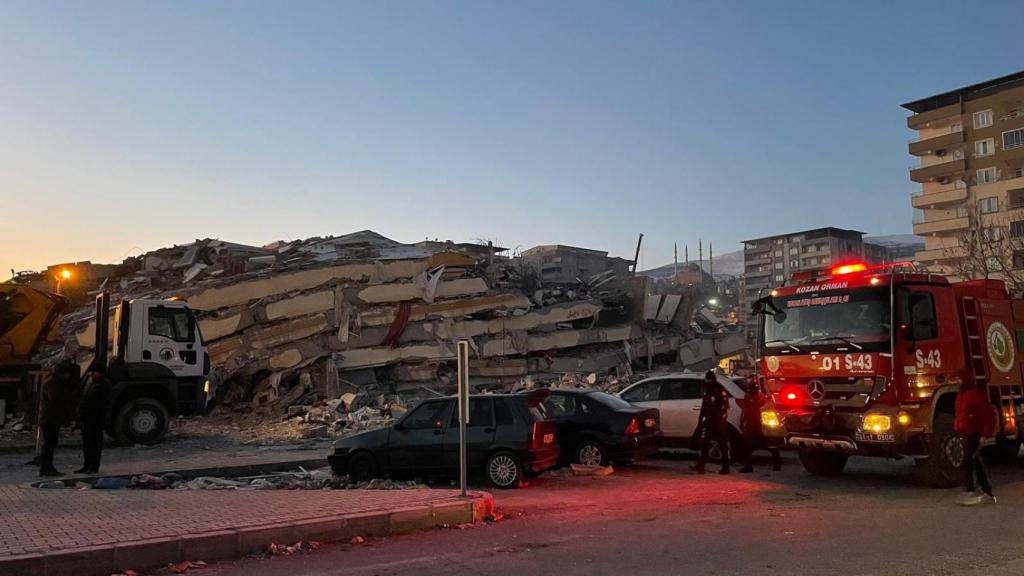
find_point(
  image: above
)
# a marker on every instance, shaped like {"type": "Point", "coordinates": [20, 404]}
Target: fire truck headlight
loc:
{"type": "Point", "coordinates": [769, 419]}
{"type": "Point", "coordinates": [877, 423]}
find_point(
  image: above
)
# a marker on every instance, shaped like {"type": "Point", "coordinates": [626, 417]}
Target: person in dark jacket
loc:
{"type": "Point", "coordinates": [58, 399]}
{"type": "Point", "coordinates": [712, 423]}
{"type": "Point", "coordinates": [975, 419]}
{"type": "Point", "coordinates": [91, 412]}
{"type": "Point", "coordinates": [750, 426]}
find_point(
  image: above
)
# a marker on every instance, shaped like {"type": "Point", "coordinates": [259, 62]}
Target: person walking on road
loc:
{"type": "Point", "coordinates": [56, 408]}
{"type": "Point", "coordinates": [712, 423]}
{"type": "Point", "coordinates": [975, 419]}
{"type": "Point", "coordinates": [750, 426]}
{"type": "Point", "coordinates": [90, 414]}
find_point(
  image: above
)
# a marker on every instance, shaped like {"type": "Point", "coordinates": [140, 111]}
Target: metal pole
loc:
{"type": "Point", "coordinates": [463, 394]}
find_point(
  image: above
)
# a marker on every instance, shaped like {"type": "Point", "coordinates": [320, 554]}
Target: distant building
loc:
{"type": "Point", "coordinates": [558, 263]}
{"type": "Point", "coordinates": [769, 262]}
{"type": "Point", "coordinates": [970, 142]}
{"type": "Point", "coordinates": [691, 273]}
{"type": "Point", "coordinates": [478, 251]}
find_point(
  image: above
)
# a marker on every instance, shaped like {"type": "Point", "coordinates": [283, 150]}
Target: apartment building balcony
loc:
{"type": "Point", "coordinates": [922, 174]}
{"type": "Point", "coordinates": [757, 274]}
{"type": "Point", "coordinates": [928, 145]}
{"type": "Point", "coordinates": [932, 199]}
{"type": "Point", "coordinates": [926, 227]}
{"type": "Point", "coordinates": [925, 119]}
{"type": "Point", "coordinates": [936, 254]}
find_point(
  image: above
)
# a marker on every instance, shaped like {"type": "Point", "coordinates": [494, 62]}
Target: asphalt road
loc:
{"type": "Point", "coordinates": [659, 518]}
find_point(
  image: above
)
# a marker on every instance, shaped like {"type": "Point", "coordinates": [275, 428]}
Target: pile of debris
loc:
{"type": "Point", "coordinates": [301, 479]}
{"type": "Point", "coordinates": [345, 332]}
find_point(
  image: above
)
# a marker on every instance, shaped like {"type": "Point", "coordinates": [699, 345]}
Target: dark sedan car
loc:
{"type": "Point", "coordinates": [507, 437]}
{"type": "Point", "coordinates": [595, 428]}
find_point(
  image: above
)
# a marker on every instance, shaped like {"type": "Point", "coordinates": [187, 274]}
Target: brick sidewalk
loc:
{"type": "Point", "coordinates": [69, 532]}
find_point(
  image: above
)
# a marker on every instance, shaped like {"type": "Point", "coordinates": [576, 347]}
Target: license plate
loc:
{"type": "Point", "coordinates": [863, 437]}
{"type": "Point", "coordinates": [650, 423]}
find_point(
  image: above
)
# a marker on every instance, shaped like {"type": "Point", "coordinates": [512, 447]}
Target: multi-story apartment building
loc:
{"type": "Point", "coordinates": [769, 262]}
{"type": "Point", "coordinates": [971, 169]}
{"type": "Point", "coordinates": [557, 263]}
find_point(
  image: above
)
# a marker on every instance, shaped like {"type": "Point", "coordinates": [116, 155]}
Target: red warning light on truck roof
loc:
{"type": "Point", "coordinates": [850, 268]}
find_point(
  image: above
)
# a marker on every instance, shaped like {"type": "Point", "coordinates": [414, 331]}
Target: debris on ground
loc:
{"type": "Point", "coordinates": [286, 550]}
{"type": "Point", "coordinates": [357, 540]}
{"type": "Point", "coordinates": [301, 479]}
{"type": "Point", "coordinates": [584, 470]}
{"type": "Point", "coordinates": [185, 566]}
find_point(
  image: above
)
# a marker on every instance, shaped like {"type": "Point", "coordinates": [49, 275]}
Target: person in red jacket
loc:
{"type": "Point", "coordinates": [975, 419]}
{"type": "Point", "coordinates": [750, 426]}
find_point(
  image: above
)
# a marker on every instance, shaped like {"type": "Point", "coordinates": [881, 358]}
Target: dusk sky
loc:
{"type": "Point", "coordinates": [129, 126]}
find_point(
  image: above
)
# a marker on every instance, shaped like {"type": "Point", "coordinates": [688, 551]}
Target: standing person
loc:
{"type": "Point", "coordinates": [91, 413]}
{"type": "Point", "coordinates": [58, 393]}
{"type": "Point", "coordinates": [712, 423]}
{"type": "Point", "coordinates": [750, 425]}
{"type": "Point", "coordinates": [975, 419]}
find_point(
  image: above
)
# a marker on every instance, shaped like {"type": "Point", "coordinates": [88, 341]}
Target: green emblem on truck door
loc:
{"type": "Point", "coordinates": [1000, 346]}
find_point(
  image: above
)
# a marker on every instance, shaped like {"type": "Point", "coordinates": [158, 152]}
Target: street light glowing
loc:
{"type": "Point", "coordinates": [713, 301]}
{"type": "Point", "coordinates": [65, 274]}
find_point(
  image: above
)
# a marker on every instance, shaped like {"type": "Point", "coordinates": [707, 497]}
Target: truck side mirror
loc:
{"type": "Point", "coordinates": [779, 317]}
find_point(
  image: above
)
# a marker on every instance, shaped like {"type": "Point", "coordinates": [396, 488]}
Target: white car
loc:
{"type": "Point", "coordinates": [678, 397]}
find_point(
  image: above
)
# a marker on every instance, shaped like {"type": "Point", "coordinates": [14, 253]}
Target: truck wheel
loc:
{"type": "Point", "coordinates": [1004, 450]}
{"type": "Point", "coordinates": [141, 421]}
{"type": "Point", "coordinates": [824, 463]}
{"type": "Point", "coordinates": [941, 469]}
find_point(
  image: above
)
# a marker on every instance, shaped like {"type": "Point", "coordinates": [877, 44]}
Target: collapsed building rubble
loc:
{"type": "Point", "coordinates": [343, 333]}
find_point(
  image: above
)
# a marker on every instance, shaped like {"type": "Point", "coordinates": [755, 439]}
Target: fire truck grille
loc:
{"type": "Point", "coordinates": [840, 392]}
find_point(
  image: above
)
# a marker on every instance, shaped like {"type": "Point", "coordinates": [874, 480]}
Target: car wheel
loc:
{"type": "Point", "coordinates": [591, 453]}
{"type": "Point", "coordinates": [504, 470]}
{"type": "Point", "coordinates": [141, 421]}
{"type": "Point", "coordinates": [362, 467]}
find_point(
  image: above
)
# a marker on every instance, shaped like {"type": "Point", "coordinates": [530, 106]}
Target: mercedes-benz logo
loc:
{"type": "Point", "coordinates": [816, 389]}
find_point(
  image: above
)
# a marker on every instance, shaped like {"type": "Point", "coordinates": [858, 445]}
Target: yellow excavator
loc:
{"type": "Point", "coordinates": [28, 318]}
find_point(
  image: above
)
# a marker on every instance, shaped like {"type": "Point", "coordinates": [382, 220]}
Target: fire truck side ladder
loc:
{"type": "Point", "coordinates": [972, 326]}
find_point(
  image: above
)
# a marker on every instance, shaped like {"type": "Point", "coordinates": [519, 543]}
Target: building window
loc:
{"type": "Point", "coordinates": [823, 260]}
{"type": "Point", "coordinates": [1016, 198]}
{"type": "Point", "coordinates": [983, 119]}
{"type": "Point", "coordinates": [961, 212]}
{"type": "Point", "coordinates": [810, 261]}
{"type": "Point", "coordinates": [1018, 172]}
{"type": "Point", "coordinates": [778, 265]}
{"type": "Point", "coordinates": [1018, 259]}
{"type": "Point", "coordinates": [811, 248]}
{"type": "Point", "coordinates": [987, 175]}
{"type": "Point", "coordinates": [780, 240]}
{"type": "Point", "coordinates": [988, 205]}
{"type": "Point", "coordinates": [1013, 139]}
{"type": "Point", "coordinates": [1017, 229]}
{"type": "Point", "coordinates": [778, 253]}
{"type": "Point", "coordinates": [985, 147]}
{"type": "Point", "coordinates": [779, 277]}
{"type": "Point", "coordinates": [794, 250]}
{"type": "Point", "coordinates": [992, 233]}
{"type": "Point", "coordinates": [794, 263]}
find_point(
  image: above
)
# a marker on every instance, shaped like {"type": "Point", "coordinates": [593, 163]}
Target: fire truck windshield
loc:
{"type": "Point", "coordinates": [859, 319]}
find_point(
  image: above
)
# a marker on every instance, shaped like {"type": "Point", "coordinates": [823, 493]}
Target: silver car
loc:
{"type": "Point", "coordinates": [678, 397]}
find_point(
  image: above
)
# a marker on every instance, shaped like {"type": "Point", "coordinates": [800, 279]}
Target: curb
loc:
{"type": "Point", "coordinates": [226, 544]}
{"type": "Point", "coordinates": [192, 473]}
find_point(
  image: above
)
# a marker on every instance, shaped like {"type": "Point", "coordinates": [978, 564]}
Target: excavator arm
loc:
{"type": "Point", "coordinates": [27, 318]}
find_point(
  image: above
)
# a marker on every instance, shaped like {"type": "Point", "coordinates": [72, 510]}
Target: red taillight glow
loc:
{"type": "Point", "coordinates": [633, 427]}
{"type": "Point", "coordinates": [849, 268]}
{"type": "Point", "coordinates": [791, 395]}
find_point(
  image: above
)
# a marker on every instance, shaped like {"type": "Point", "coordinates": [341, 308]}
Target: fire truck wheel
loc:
{"type": "Point", "coordinates": [1004, 450]}
{"type": "Point", "coordinates": [823, 463]}
{"type": "Point", "coordinates": [941, 469]}
{"type": "Point", "coordinates": [141, 421]}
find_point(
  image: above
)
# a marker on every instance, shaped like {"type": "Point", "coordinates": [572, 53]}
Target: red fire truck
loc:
{"type": "Point", "coordinates": [868, 361]}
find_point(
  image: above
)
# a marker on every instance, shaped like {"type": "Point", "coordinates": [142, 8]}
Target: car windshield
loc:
{"type": "Point", "coordinates": [613, 402]}
{"type": "Point", "coordinates": [834, 318]}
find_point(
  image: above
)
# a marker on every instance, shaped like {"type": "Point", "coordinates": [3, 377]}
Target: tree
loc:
{"type": "Point", "coordinates": [991, 247]}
